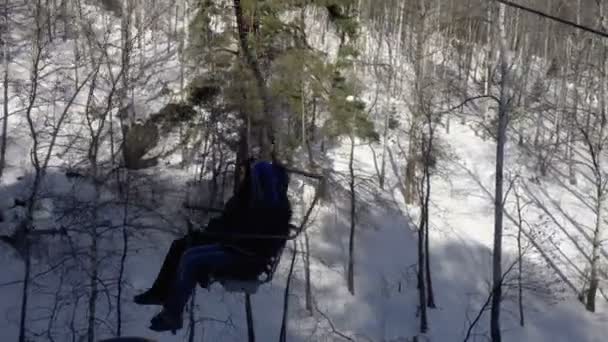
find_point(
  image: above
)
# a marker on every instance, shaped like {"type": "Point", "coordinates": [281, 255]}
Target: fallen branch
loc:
{"type": "Point", "coordinates": [451, 109]}
{"type": "Point", "coordinates": [333, 327]}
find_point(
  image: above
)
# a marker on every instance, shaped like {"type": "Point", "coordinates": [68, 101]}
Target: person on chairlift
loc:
{"type": "Point", "coordinates": [227, 245]}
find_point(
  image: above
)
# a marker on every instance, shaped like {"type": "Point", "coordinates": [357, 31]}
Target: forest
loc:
{"type": "Point", "coordinates": [447, 161]}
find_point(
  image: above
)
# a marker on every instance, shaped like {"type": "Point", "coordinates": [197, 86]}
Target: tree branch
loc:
{"type": "Point", "coordinates": [467, 101]}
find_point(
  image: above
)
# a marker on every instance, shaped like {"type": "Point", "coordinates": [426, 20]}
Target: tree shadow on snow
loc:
{"type": "Point", "coordinates": [383, 307]}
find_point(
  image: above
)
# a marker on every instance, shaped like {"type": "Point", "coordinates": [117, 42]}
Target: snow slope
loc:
{"type": "Point", "coordinates": [384, 306]}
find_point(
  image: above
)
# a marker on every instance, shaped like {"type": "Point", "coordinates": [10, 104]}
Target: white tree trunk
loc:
{"type": "Point", "coordinates": [596, 149]}
{"type": "Point", "coordinates": [596, 246]}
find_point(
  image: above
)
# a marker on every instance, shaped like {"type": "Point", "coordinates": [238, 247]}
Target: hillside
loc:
{"type": "Point", "coordinates": [124, 121]}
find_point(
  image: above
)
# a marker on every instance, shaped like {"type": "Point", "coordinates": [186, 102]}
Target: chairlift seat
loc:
{"type": "Point", "coordinates": [253, 273]}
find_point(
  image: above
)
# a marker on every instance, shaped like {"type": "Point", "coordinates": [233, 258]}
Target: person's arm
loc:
{"type": "Point", "coordinates": [223, 223]}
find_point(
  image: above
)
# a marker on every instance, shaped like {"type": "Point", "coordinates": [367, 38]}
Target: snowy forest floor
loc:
{"type": "Point", "coordinates": [384, 305]}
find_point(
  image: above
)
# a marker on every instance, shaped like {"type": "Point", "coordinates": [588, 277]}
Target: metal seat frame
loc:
{"type": "Point", "coordinates": [250, 286]}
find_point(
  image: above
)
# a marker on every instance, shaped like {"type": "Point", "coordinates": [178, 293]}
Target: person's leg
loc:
{"type": "Point", "coordinates": [168, 270]}
{"type": "Point", "coordinates": [159, 291]}
{"type": "Point", "coordinates": [197, 260]}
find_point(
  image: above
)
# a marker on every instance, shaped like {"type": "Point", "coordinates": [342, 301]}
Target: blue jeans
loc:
{"type": "Point", "coordinates": [194, 263]}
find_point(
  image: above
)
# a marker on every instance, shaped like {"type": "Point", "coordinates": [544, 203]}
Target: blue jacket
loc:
{"type": "Point", "coordinates": [260, 207]}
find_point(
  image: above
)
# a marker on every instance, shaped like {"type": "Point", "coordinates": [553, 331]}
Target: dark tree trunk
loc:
{"type": "Point", "coordinates": [253, 64]}
{"type": "Point", "coordinates": [49, 21]}
{"type": "Point", "coordinates": [25, 291]}
{"type": "Point", "coordinates": [427, 197]}
{"type": "Point", "coordinates": [308, 288]}
{"type": "Point", "coordinates": [498, 196]}
{"type": "Point", "coordinates": [520, 290]}
{"type": "Point", "coordinates": [241, 157]}
{"type": "Point", "coordinates": [64, 19]}
{"type": "Point", "coordinates": [123, 259]}
{"type": "Point", "coordinates": [421, 284]}
{"type": "Point", "coordinates": [249, 312]}
{"type": "Point", "coordinates": [353, 203]}
{"type": "Point", "coordinates": [283, 333]}
{"type": "Point", "coordinates": [5, 42]}
{"type": "Point", "coordinates": [192, 318]}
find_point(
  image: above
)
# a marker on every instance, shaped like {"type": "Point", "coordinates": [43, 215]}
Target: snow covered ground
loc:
{"type": "Point", "coordinates": [383, 307]}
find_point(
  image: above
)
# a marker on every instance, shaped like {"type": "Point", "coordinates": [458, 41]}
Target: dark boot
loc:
{"type": "Point", "coordinates": [150, 297]}
{"type": "Point", "coordinates": [166, 321]}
